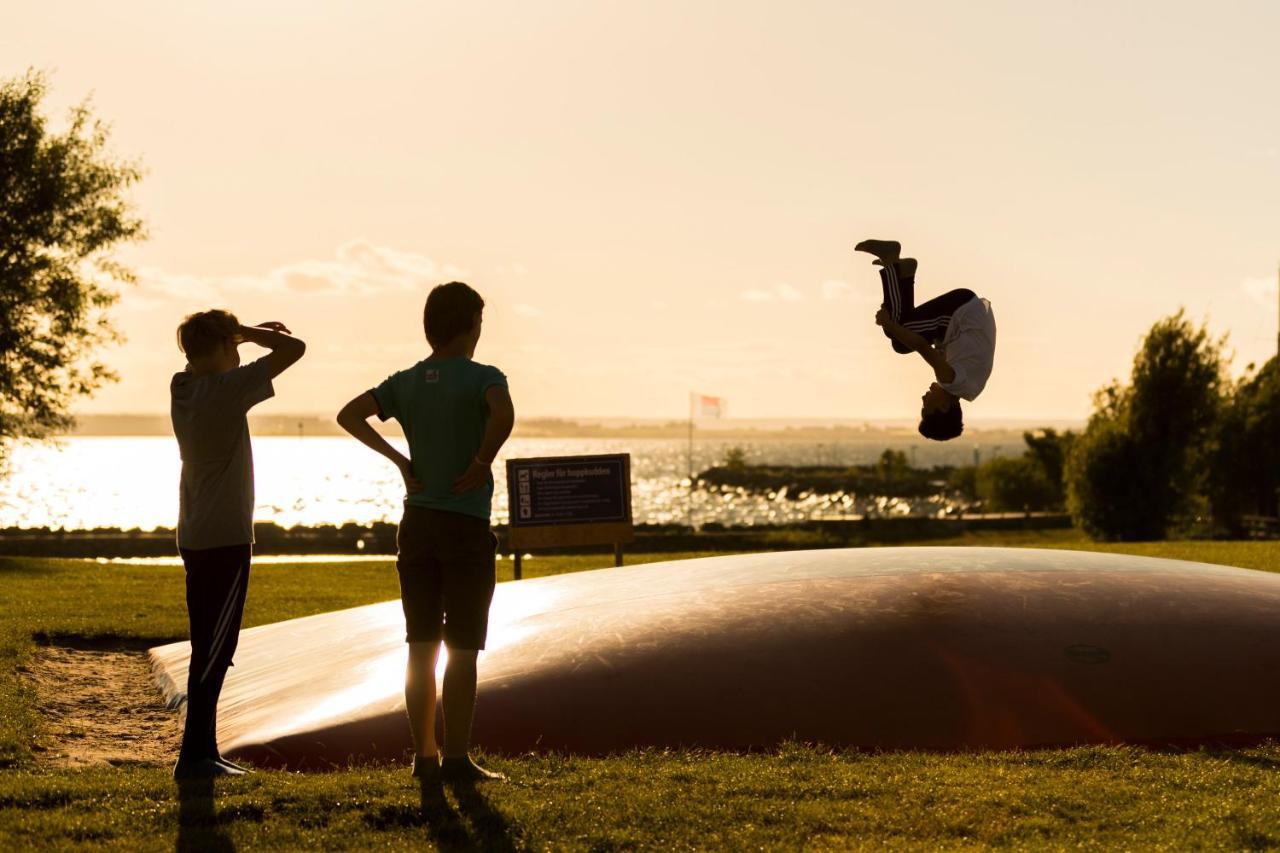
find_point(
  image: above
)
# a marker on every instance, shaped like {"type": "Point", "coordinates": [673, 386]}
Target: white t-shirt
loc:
{"type": "Point", "coordinates": [970, 348]}
{"type": "Point", "coordinates": [215, 492]}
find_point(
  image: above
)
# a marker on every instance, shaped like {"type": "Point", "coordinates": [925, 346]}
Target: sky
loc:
{"type": "Point", "coordinates": [657, 197]}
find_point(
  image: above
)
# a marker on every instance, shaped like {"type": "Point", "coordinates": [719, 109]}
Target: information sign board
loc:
{"type": "Point", "coordinates": [564, 501]}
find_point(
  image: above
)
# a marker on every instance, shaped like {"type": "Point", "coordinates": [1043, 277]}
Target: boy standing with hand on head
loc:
{"type": "Point", "coordinates": [456, 414]}
{"type": "Point", "coordinates": [208, 403]}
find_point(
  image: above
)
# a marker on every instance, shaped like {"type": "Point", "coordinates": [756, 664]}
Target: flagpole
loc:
{"type": "Point", "coordinates": [689, 457]}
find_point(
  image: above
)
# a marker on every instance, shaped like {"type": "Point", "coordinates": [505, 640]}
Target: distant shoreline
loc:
{"type": "Point", "coordinates": [806, 429]}
{"type": "Point", "coordinates": [380, 537]}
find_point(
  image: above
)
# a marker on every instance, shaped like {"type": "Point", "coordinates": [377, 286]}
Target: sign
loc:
{"type": "Point", "coordinates": [569, 490]}
{"type": "Point", "coordinates": [566, 501]}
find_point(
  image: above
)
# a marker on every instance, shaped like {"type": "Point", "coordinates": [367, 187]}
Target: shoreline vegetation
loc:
{"type": "Point", "coordinates": [798, 480]}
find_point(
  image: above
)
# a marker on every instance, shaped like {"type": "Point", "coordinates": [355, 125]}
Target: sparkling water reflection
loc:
{"type": "Point", "coordinates": [129, 482]}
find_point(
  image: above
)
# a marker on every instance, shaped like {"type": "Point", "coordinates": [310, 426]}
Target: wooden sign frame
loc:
{"type": "Point", "coordinates": [527, 537]}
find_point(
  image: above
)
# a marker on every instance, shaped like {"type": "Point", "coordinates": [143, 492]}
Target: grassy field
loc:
{"type": "Point", "coordinates": [799, 796]}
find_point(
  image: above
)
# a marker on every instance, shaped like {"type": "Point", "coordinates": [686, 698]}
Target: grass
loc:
{"type": "Point", "coordinates": [793, 797]}
{"type": "Point", "coordinates": [797, 796]}
{"type": "Point", "coordinates": [1247, 554]}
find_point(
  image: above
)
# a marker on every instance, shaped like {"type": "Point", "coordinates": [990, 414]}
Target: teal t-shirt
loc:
{"type": "Point", "coordinates": [441, 408]}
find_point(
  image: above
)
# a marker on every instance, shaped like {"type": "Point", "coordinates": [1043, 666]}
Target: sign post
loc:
{"type": "Point", "coordinates": [559, 501]}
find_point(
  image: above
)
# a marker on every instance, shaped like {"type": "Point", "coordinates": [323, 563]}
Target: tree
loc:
{"type": "Point", "coordinates": [1140, 468]}
{"type": "Point", "coordinates": [1013, 484]}
{"type": "Point", "coordinates": [63, 209]}
{"type": "Point", "coordinates": [1244, 474]}
{"type": "Point", "coordinates": [893, 466]}
{"type": "Point", "coordinates": [964, 482]}
{"type": "Point", "coordinates": [1049, 451]}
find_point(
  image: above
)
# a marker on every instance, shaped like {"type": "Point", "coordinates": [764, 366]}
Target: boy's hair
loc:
{"type": "Point", "coordinates": [202, 333]}
{"type": "Point", "coordinates": [943, 426]}
{"type": "Point", "coordinates": [451, 311]}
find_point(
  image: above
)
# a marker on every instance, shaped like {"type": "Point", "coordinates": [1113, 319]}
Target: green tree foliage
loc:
{"type": "Point", "coordinates": [735, 459]}
{"type": "Point", "coordinates": [964, 481]}
{"type": "Point", "coordinates": [1030, 482]}
{"type": "Point", "coordinates": [893, 466]}
{"type": "Point", "coordinates": [1013, 484]}
{"type": "Point", "coordinates": [63, 209]}
{"type": "Point", "coordinates": [1142, 463]}
{"type": "Point", "coordinates": [1049, 450]}
{"type": "Point", "coordinates": [1245, 471]}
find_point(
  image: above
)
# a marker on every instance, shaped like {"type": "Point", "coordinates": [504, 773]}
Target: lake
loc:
{"type": "Point", "coordinates": [132, 481]}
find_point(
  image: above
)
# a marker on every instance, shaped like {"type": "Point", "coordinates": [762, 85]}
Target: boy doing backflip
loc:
{"type": "Point", "coordinates": [208, 402]}
{"type": "Point", "coordinates": [456, 414]}
{"type": "Point", "coordinates": [955, 333]}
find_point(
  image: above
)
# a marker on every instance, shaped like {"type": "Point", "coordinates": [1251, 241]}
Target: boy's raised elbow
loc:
{"type": "Point", "coordinates": [346, 417]}
{"type": "Point", "coordinates": [348, 420]}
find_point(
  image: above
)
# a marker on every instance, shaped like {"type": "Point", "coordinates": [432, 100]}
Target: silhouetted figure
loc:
{"type": "Point", "coordinates": [456, 414]}
{"type": "Point", "coordinates": [208, 403]}
{"type": "Point", "coordinates": [955, 333]}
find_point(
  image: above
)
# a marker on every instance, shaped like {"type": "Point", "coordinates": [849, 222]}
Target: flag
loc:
{"type": "Point", "coordinates": [709, 407]}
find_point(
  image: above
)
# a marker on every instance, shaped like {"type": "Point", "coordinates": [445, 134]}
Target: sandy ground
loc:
{"type": "Point", "coordinates": [100, 707]}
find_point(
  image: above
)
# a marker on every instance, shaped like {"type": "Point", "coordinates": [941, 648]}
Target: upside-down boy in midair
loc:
{"type": "Point", "coordinates": [955, 333]}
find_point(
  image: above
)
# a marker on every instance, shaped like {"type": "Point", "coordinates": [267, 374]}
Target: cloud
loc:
{"type": "Point", "coordinates": [157, 286]}
{"type": "Point", "coordinates": [778, 293]}
{"type": "Point", "coordinates": [837, 290]}
{"type": "Point", "coordinates": [1262, 290]}
{"type": "Point", "coordinates": [357, 267]}
{"type": "Point", "coordinates": [834, 289]}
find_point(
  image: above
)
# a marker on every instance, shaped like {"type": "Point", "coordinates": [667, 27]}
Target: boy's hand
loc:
{"type": "Point", "coordinates": [255, 334]}
{"type": "Point", "coordinates": [883, 317]}
{"type": "Point", "coordinates": [476, 475]}
{"type": "Point", "coordinates": [275, 326]}
{"type": "Point", "coordinates": [412, 485]}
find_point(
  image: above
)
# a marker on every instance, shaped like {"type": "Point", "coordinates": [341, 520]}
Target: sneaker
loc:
{"type": "Point", "coordinates": [232, 765]}
{"type": "Point", "coordinates": [885, 250]}
{"type": "Point", "coordinates": [426, 767]}
{"type": "Point", "coordinates": [204, 768]}
{"type": "Point", "coordinates": [463, 769]}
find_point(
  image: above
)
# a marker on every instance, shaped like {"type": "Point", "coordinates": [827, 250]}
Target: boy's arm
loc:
{"type": "Point", "coordinates": [502, 417]}
{"type": "Point", "coordinates": [285, 349]}
{"type": "Point", "coordinates": [942, 371]}
{"type": "Point", "coordinates": [354, 418]}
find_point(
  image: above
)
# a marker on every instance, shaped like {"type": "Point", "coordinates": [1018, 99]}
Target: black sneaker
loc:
{"type": "Point", "coordinates": [885, 250]}
{"type": "Point", "coordinates": [463, 769]}
{"type": "Point", "coordinates": [232, 765]}
{"type": "Point", "coordinates": [204, 768]}
{"type": "Point", "coordinates": [426, 767]}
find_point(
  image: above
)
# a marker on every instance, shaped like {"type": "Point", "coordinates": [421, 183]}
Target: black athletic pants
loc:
{"type": "Point", "coordinates": [217, 580]}
{"type": "Point", "coordinates": [929, 319]}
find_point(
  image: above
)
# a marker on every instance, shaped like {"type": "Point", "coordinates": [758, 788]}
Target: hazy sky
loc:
{"type": "Point", "coordinates": [661, 196]}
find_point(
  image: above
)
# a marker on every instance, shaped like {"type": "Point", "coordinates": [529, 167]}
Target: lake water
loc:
{"type": "Point", "coordinates": [128, 482]}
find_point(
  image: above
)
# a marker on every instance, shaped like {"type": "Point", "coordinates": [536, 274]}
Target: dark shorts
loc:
{"type": "Point", "coordinates": [446, 566]}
